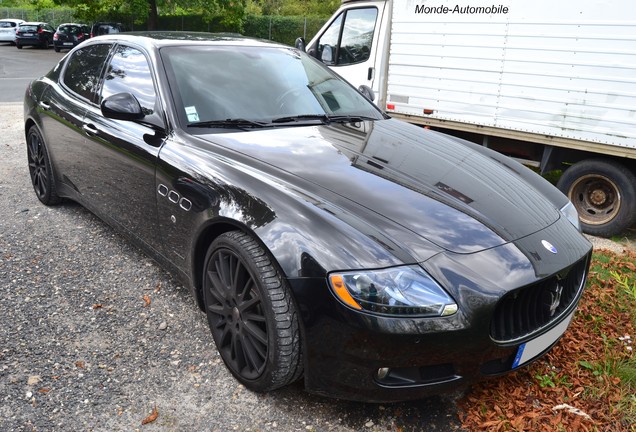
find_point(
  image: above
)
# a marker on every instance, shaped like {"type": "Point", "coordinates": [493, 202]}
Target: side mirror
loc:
{"type": "Point", "coordinates": [367, 92]}
{"type": "Point", "coordinates": [122, 106]}
{"type": "Point", "coordinates": [327, 54]}
{"type": "Point", "coordinates": [300, 44]}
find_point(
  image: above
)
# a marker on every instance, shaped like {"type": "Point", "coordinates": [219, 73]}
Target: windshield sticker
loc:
{"type": "Point", "coordinates": [191, 112]}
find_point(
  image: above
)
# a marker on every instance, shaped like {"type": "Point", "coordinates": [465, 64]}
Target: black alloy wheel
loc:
{"type": "Point", "coordinates": [251, 313]}
{"type": "Point", "coordinates": [40, 170]}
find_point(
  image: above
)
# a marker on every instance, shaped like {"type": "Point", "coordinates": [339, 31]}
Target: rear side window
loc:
{"type": "Point", "coordinates": [28, 28]}
{"type": "Point", "coordinates": [129, 72]}
{"type": "Point", "coordinates": [83, 70]}
{"type": "Point", "coordinates": [6, 24]}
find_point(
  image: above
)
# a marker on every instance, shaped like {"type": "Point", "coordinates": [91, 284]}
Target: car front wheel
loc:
{"type": "Point", "coordinates": [251, 314]}
{"type": "Point", "coordinates": [40, 170]}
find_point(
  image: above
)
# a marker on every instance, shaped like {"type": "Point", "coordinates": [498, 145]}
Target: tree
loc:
{"type": "Point", "coordinates": [229, 12]}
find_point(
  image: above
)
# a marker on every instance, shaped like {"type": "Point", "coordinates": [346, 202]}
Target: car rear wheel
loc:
{"type": "Point", "coordinates": [45, 45]}
{"type": "Point", "coordinates": [251, 314]}
{"type": "Point", "coordinates": [18, 46]}
{"type": "Point", "coordinates": [57, 49]}
{"type": "Point", "coordinates": [40, 170]}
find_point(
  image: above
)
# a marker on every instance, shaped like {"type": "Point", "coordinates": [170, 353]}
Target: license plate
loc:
{"type": "Point", "coordinates": [67, 43]}
{"type": "Point", "coordinates": [28, 34]}
{"type": "Point", "coordinates": [535, 347]}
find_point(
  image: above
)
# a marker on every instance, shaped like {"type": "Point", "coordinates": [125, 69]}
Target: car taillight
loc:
{"type": "Point", "coordinates": [92, 35]}
{"type": "Point", "coordinates": [40, 30]}
{"type": "Point", "coordinates": [56, 36]}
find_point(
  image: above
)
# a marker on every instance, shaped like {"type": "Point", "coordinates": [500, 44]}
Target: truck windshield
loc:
{"type": "Point", "coordinates": [258, 85]}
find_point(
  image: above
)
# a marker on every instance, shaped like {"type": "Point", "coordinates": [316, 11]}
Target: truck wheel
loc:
{"type": "Point", "coordinates": [604, 194]}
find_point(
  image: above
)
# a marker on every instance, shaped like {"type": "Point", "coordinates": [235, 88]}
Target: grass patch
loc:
{"type": "Point", "coordinates": [588, 381]}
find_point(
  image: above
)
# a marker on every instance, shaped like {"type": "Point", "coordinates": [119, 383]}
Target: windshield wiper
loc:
{"type": "Point", "coordinates": [323, 118]}
{"type": "Point", "coordinates": [349, 118]}
{"type": "Point", "coordinates": [229, 123]}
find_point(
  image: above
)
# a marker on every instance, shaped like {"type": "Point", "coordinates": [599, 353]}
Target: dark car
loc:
{"type": "Point", "coordinates": [379, 260]}
{"type": "Point", "coordinates": [69, 35]}
{"type": "Point", "coordinates": [104, 28]}
{"type": "Point", "coordinates": [35, 34]}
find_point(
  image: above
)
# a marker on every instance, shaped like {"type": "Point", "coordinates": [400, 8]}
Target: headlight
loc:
{"type": "Point", "coordinates": [395, 291]}
{"type": "Point", "coordinates": [569, 211]}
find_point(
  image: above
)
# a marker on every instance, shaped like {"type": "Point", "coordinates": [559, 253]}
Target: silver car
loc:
{"type": "Point", "coordinates": [7, 29]}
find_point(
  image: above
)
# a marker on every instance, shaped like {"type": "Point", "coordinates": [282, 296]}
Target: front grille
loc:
{"type": "Point", "coordinates": [529, 309]}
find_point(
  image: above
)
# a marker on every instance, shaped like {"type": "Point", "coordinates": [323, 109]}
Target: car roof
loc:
{"type": "Point", "coordinates": [72, 24]}
{"type": "Point", "coordinates": [32, 23]}
{"type": "Point", "coordinates": [12, 20]}
{"type": "Point", "coordinates": [158, 39]}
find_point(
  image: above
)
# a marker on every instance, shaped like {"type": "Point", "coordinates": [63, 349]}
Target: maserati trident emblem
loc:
{"type": "Point", "coordinates": [555, 298]}
{"type": "Point", "coordinates": [546, 244]}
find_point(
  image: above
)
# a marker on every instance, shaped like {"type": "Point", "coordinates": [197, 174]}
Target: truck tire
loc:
{"type": "Point", "coordinates": [604, 194]}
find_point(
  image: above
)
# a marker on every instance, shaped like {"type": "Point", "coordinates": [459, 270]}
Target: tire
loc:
{"type": "Point", "coordinates": [18, 46]}
{"type": "Point", "coordinates": [57, 49]}
{"type": "Point", "coordinates": [251, 313]}
{"type": "Point", "coordinates": [45, 45]}
{"type": "Point", "coordinates": [604, 194]}
{"type": "Point", "coordinates": [40, 170]}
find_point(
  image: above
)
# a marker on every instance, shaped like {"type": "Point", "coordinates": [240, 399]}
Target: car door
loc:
{"type": "Point", "coordinates": [349, 44]}
{"type": "Point", "coordinates": [122, 183]}
{"type": "Point", "coordinates": [64, 104]}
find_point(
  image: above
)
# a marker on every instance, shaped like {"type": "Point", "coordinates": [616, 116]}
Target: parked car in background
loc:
{"type": "Point", "coordinates": [69, 35]}
{"type": "Point", "coordinates": [102, 28]}
{"type": "Point", "coordinates": [8, 27]}
{"type": "Point", "coordinates": [379, 260]}
{"type": "Point", "coordinates": [35, 34]}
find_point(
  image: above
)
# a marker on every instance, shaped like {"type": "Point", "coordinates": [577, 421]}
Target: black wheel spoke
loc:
{"type": "Point", "coordinates": [248, 304]}
{"type": "Point", "coordinates": [253, 361]}
{"type": "Point", "coordinates": [256, 332]}
{"type": "Point", "coordinates": [217, 287]}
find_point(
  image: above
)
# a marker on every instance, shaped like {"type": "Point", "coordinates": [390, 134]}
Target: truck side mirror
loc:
{"type": "Point", "coordinates": [327, 54]}
{"type": "Point", "coordinates": [300, 43]}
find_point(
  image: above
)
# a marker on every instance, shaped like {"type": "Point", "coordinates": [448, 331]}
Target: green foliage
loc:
{"type": "Point", "coordinates": [284, 29]}
{"type": "Point", "coordinates": [312, 8]}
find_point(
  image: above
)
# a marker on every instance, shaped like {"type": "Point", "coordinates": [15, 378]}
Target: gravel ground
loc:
{"type": "Point", "coordinates": [94, 335]}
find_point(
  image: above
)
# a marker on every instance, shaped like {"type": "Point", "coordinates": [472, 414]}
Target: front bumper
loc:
{"type": "Point", "coordinates": [358, 356]}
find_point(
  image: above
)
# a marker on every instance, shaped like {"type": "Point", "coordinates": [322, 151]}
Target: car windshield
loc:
{"type": "Point", "coordinates": [258, 86]}
{"type": "Point", "coordinates": [27, 28]}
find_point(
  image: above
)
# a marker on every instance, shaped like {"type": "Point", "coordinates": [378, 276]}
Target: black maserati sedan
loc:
{"type": "Point", "coordinates": [377, 260]}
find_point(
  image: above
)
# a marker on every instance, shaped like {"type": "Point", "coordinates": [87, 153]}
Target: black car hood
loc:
{"type": "Point", "coordinates": [425, 183]}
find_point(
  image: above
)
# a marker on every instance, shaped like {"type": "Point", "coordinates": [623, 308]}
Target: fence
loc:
{"type": "Point", "coordinates": [52, 16]}
{"type": "Point", "coordinates": [283, 29]}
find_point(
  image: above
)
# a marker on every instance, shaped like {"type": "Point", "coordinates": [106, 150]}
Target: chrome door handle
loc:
{"type": "Point", "coordinates": [89, 129]}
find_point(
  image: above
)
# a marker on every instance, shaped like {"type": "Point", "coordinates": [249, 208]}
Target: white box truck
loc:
{"type": "Point", "coordinates": [551, 83]}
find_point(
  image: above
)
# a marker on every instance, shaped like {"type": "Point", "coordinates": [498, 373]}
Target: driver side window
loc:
{"type": "Point", "coordinates": [349, 38]}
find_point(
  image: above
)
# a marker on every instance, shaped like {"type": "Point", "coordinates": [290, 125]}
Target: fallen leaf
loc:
{"type": "Point", "coordinates": [79, 364]}
{"type": "Point", "coordinates": [44, 390]}
{"type": "Point", "coordinates": [98, 306]}
{"type": "Point", "coordinates": [147, 300]}
{"type": "Point", "coordinates": [152, 417]}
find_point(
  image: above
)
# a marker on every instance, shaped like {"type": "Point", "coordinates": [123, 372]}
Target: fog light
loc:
{"type": "Point", "coordinates": [382, 373]}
